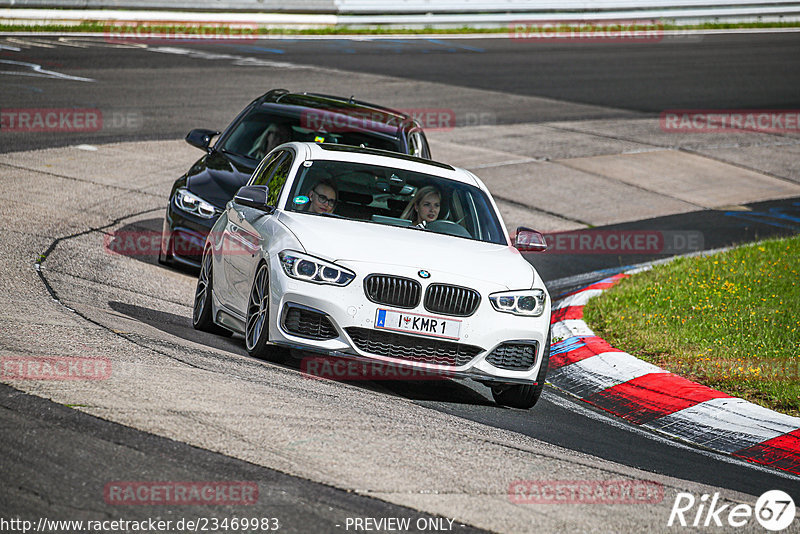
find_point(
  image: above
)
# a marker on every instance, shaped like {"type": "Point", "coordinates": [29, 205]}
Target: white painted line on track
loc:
{"type": "Point", "coordinates": [39, 72]}
{"type": "Point", "coordinates": [30, 42]}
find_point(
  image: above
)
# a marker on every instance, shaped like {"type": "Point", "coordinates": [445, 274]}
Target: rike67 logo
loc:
{"type": "Point", "coordinates": [774, 510]}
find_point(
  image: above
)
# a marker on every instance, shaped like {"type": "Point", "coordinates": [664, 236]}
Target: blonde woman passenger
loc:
{"type": "Point", "coordinates": [424, 208]}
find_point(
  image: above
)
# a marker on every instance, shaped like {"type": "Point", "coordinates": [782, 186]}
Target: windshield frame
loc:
{"type": "Point", "coordinates": [485, 218]}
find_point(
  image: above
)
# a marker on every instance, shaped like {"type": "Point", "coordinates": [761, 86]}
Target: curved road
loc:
{"type": "Point", "coordinates": [135, 313]}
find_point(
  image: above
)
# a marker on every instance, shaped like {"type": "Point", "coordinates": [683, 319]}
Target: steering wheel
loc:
{"type": "Point", "coordinates": [448, 228]}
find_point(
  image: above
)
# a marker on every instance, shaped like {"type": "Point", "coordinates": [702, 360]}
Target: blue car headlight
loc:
{"type": "Point", "coordinates": [191, 203]}
{"type": "Point", "coordinates": [528, 302]}
{"type": "Point", "coordinates": [310, 269]}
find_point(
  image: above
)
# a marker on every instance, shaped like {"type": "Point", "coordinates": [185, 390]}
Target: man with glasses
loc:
{"type": "Point", "coordinates": [323, 197]}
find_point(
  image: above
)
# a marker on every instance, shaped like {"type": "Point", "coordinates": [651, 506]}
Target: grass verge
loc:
{"type": "Point", "coordinates": [143, 29]}
{"type": "Point", "coordinates": [730, 321]}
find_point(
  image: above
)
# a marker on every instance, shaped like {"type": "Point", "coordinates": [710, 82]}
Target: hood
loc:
{"type": "Point", "coordinates": [217, 177]}
{"type": "Point", "coordinates": [353, 242]}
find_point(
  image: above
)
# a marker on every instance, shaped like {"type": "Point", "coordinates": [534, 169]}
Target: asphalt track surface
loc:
{"type": "Point", "coordinates": [591, 82]}
{"type": "Point", "coordinates": [584, 81]}
{"type": "Point", "coordinates": [95, 451]}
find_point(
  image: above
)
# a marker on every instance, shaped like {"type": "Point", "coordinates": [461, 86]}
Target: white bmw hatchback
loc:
{"type": "Point", "coordinates": [366, 254]}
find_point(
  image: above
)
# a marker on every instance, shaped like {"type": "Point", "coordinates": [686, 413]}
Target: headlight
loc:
{"type": "Point", "coordinates": [528, 302]}
{"type": "Point", "coordinates": [193, 204]}
{"type": "Point", "coordinates": [311, 269]}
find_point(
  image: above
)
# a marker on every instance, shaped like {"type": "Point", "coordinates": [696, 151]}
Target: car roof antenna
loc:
{"type": "Point", "coordinates": [352, 99]}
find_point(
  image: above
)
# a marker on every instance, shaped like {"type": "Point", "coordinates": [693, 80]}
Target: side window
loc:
{"type": "Point", "coordinates": [416, 147]}
{"type": "Point", "coordinates": [466, 213]}
{"type": "Point", "coordinates": [264, 171]}
{"type": "Point", "coordinates": [419, 145]}
{"type": "Point", "coordinates": [279, 178]}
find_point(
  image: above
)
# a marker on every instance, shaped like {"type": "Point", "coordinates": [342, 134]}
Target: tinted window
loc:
{"type": "Point", "coordinates": [264, 172]}
{"type": "Point", "coordinates": [279, 179]}
{"type": "Point", "coordinates": [260, 131]}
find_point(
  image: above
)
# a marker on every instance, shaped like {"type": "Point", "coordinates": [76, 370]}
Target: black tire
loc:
{"type": "Point", "coordinates": [523, 395]}
{"type": "Point", "coordinates": [202, 313]}
{"type": "Point", "coordinates": [164, 260]}
{"type": "Point", "coordinates": [256, 333]}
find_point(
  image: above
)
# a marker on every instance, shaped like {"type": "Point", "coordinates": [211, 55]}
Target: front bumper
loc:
{"type": "Point", "coordinates": [351, 314]}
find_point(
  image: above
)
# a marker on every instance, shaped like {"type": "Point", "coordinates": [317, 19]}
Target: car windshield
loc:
{"type": "Point", "coordinates": [394, 197]}
{"type": "Point", "coordinates": [259, 132]}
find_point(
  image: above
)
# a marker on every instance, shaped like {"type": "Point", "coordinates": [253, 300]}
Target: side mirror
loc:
{"type": "Point", "coordinates": [254, 196]}
{"type": "Point", "coordinates": [528, 240]}
{"type": "Point", "coordinates": [200, 138]}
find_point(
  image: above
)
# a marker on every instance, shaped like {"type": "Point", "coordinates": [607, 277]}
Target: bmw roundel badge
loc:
{"type": "Point", "coordinates": [424, 274]}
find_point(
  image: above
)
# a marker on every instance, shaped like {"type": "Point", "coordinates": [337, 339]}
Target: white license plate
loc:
{"type": "Point", "coordinates": [427, 325]}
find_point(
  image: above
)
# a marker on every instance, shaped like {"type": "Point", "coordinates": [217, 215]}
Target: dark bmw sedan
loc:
{"type": "Point", "coordinates": [279, 116]}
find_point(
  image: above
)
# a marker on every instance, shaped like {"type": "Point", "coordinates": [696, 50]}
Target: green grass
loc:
{"type": "Point", "coordinates": [730, 321]}
{"type": "Point", "coordinates": [104, 27]}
